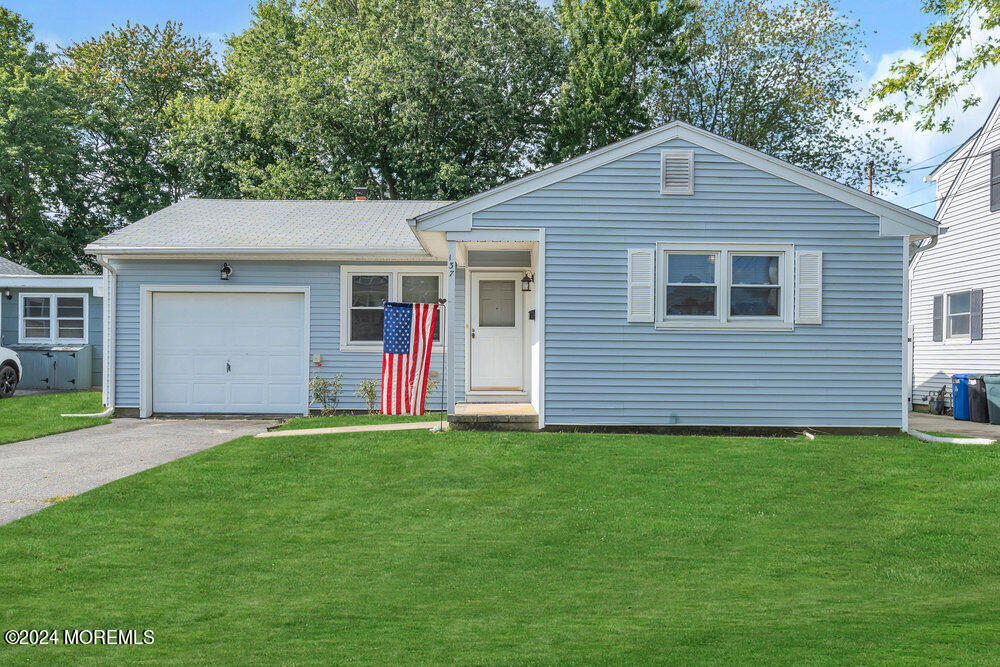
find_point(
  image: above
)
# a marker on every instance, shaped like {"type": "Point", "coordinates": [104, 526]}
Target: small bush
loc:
{"type": "Point", "coordinates": [368, 390]}
{"type": "Point", "coordinates": [326, 392]}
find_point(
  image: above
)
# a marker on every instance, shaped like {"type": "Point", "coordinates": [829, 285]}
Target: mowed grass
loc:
{"type": "Point", "coordinates": [25, 417]}
{"type": "Point", "coordinates": [492, 547]}
{"type": "Point", "coordinates": [354, 420]}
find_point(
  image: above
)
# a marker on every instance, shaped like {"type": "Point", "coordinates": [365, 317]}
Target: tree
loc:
{"type": "Point", "coordinates": [128, 78]}
{"type": "Point", "coordinates": [963, 43]}
{"type": "Point", "coordinates": [782, 79]}
{"type": "Point", "coordinates": [619, 50]}
{"type": "Point", "coordinates": [412, 98]}
{"type": "Point", "coordinates": [44, 220]}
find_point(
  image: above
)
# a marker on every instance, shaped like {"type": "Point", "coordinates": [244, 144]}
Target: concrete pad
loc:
{"type": "Point", "coordinates": [404, 426]}
{"type": "Point", "coordinates": [922, 421]}
{"type": "Point", "coordinates": [67, 464]}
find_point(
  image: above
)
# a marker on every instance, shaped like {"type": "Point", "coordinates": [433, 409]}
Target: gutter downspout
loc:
{"type": "Point", "coordinates": [110, 326]}
{"type": "Point", "coordinates": [921, 248]}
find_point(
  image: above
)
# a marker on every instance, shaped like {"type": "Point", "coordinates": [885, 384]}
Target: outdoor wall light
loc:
{"type": "Point", "coordinates": [6, 293]}
{"type": "Point", "coordinates": [526, 282]}
{"type": "Point", "coordinates": [226, 271]}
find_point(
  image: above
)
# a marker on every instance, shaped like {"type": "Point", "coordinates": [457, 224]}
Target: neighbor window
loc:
{"type": "Point", "coordinates": [732, 285]}
{"type": "Point", "coordinates": [995, 180]}
{"type": "Point", "coordinates": [52, 318]}
{"type": "Point", "coordinates": [365, 291]}
{"type": "Point", "coordinates": [959, 314]}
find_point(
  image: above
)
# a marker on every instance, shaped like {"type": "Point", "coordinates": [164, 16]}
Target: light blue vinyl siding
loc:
{"type": "Point", "coordinates": [95, 332]}
{"type": "Point", "coordinates": [602, 370]}
{"type": "Point", "coordinates": [323, 279]}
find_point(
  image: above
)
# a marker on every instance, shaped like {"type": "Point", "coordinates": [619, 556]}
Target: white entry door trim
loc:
{"type": "Point", "coordinates": [146, 331]}
{"type": "Point", "coordinates": [485, 343]}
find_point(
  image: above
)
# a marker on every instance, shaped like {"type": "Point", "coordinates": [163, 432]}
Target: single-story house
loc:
{"type": "Point", "coordinates": [55, 324]}
{"type": "Point", "coordinates": [673, 278]}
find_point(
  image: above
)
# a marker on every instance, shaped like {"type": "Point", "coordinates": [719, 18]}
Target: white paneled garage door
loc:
{"type": "Point", "coordinates": [230, 353]}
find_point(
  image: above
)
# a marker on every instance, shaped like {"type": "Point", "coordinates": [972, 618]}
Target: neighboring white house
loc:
{"type": "Point", "coordinates": [955, 285]}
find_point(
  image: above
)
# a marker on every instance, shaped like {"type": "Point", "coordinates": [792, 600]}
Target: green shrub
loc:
{"type": "Point", "coordinates": [326, 392]}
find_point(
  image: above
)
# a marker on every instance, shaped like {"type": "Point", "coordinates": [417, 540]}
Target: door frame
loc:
{"type": "Point", "coordinates": [146, 331]}
{"type": "Point", "coordinates": [471, 276]}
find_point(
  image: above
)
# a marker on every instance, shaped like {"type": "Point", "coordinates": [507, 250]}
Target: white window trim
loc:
{"type": "Point", "coordinates": [722, 319]}
{"type": "Point", "coordinates": [53, 319]}
{"type": "Point", "coordinates": [395, 274]}
{"type": "Point", "coordinates": [961, 338]}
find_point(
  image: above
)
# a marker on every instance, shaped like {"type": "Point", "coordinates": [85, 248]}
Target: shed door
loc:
{"type": "Point", "coordinates": [228, 353]}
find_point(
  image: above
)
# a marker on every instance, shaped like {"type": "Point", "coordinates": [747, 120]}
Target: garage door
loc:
{"type": "Point", "coordinates": [236, 353]}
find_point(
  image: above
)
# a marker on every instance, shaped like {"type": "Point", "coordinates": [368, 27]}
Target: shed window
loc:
{"type": "Point", "coordinates": [959, 314]}
{"type": "Point", "coordinates": [995, 180]}
{"type": "Point", "coordinates": [724, 286]}
{"type": "Point", "coordinates": [366, 290]}
{"type": "Point", "coordinates": [53, 318]}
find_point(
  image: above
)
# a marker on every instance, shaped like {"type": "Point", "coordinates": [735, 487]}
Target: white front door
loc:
{"type": "Point", "coordinates": [497, 335]}
{"type": "Point", "coordinates": [235, 353]}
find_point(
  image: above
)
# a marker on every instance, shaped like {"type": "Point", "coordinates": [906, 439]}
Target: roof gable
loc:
{"type": "Point", "coordinates": [894, 220]}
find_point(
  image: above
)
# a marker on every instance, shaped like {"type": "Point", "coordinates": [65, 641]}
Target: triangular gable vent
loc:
{"type": "Point", "coordinates": [677, 172]}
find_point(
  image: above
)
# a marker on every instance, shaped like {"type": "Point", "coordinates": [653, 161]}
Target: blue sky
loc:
{"type": "Point", "coordinates": [889, 25]}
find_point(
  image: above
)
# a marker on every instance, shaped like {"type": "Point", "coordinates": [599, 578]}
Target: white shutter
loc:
{"type": "Point", "coordinates": [641, 284]}
{"type": "Point", "coordinates": [677, 172]}
{"type": "Point", "coordinates": [808, 287]}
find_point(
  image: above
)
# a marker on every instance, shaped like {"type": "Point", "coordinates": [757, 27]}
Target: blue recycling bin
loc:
{"type": "Point", "coordinates": [960, 396]}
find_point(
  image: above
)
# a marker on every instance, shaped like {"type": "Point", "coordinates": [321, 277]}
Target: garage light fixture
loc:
{"type": "Point", "coordinates": [6, 293]}
{"type": "Point", "coordinates": [226, 270]}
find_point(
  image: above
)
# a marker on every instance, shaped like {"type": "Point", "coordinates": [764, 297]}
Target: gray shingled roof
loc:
{"type": "Point", "coordinates": [9, 268]}
{"type": "Point", "coordinates": [193, 224]}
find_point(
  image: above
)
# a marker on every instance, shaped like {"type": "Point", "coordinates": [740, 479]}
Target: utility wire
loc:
{"type": "Point", "coordinates": [952, 194]}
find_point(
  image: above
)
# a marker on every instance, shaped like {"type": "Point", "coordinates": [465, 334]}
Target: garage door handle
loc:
{"type": "Point", "coordinates": [228, 367]}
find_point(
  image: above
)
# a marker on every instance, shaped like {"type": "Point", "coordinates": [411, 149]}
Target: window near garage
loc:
{"type": "Point", "coordinates": [53, 318]}
{"type": "Point", "coordinates": [738, 285]}
{"type": "Point", "coordinates": [365, 292]}
{"type": "Point", "coordinates": [959, 314]}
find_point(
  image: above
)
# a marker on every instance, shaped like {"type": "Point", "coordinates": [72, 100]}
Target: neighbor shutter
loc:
{"type": "Point", "coordinates": [808, 287]}
{"type": "Point", "coordinates": [976, 316]}
{"type": "Point", "coordinates": [938, 318]}
{"type": "Point", "coordinates": [641, 281]}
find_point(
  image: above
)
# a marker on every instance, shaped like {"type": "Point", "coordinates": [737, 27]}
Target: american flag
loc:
{"type": "Point", "coordinates": [407, 340]}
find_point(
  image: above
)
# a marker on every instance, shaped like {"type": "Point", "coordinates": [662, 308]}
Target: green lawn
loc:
{"type": "Point", "coordinates": [354, 420]}
{"type": "Point", "coordinates": [492, 547]}
{"type": "Point", "coordinates": [24, 417]}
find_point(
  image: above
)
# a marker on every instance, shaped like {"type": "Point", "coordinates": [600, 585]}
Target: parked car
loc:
{"type": "Point", "coordinates": [10, 372]}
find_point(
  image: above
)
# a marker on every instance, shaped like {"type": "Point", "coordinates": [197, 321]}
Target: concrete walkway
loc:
{"type": "Point", "coordinates": [928, 423]}
{"type": "Point", "coordinates": [404, 426]}
{"type": "Point", "coordinates": [34, 473]}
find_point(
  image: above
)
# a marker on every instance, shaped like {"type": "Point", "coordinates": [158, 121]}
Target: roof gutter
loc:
{"type": "Point", "coordinates": [237, 252]}
{"type": "Point", "coordinates": [916, 250]}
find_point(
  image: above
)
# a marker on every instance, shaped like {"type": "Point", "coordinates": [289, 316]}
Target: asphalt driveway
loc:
{"type": "Point", "coordinates": [34, 473]}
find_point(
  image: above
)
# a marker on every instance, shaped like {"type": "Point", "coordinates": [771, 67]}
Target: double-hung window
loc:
{"type": "Point", "coordinates": [364, 291]}
{"type": "Point", "coordinates": [52, 318]}
{"type": "Point", "coordinates": [959, 320]}
{"type": "Point", "coordinates": [724, 286]}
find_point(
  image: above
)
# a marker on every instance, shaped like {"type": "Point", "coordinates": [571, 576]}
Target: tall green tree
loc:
{"type": "Point", "coordinates": [783, 79]}
{"type": "Point", "coordinates": [412, 98]}
{"type": "Point", "coordinates": [128, 77]}
{"type": "Point", "coordinates": [963, 41]}
{"type": "Point", "coordinates": [619, 50]}
{"type": "Point", "coordinates": [44, 220]}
